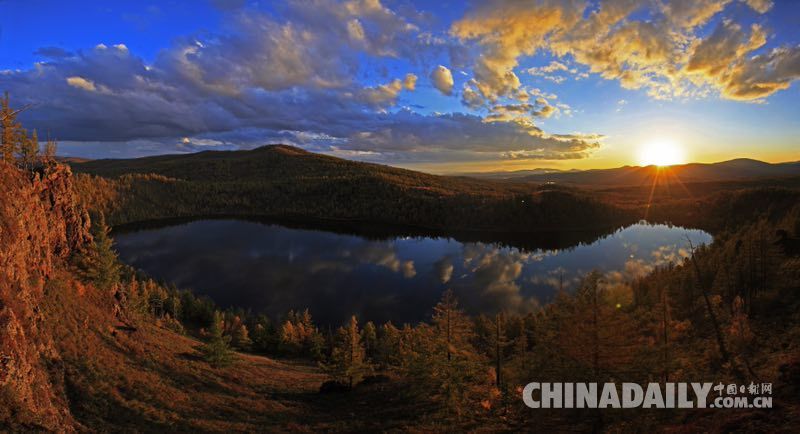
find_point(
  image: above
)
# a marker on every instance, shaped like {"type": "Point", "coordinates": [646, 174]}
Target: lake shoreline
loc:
{"type": "Point", "coordinates": [273, 268]}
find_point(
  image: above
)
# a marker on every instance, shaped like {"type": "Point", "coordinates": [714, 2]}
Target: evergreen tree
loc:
{"type": "Point", "coordinates": [441, 356]}
{"type": "Point", "coordinates": [241, 338]}
{"type": "Point", "coordinates": [217, 351]}
{"type": "Point", "coordinates": [387, 349]}
{"type": "Point", "coordinates": [370, 338]}
{"type": "Point", "coordinates": [263, 334]}
{"type": "Point", "coordinates": [50, 150]}
{"type": "Point", "coordinates": [348, 363]}
{"type": "Point", "coordinates": [499, 342]}
{"type": "Point", "coordinates": [29, 150]}
{"type": "Point", "coordinates": [99, 263]}
{"type": "Point", "coordinates": [9, 130]}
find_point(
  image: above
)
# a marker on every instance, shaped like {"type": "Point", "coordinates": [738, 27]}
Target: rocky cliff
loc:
{"type": "Point", "coordinates": [41, 226]}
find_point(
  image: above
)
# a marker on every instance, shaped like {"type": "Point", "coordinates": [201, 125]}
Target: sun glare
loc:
{"type": "Point", "coordinates": [661, 153]}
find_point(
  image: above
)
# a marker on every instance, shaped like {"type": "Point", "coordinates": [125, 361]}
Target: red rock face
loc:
{"type": "Point", "coordinates": [41, 225]}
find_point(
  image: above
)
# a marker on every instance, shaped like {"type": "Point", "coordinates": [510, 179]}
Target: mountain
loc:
{"type": "Point", "coordinates": [515, 174]}
{"type": "Point", "coordinates": [284, 181]}
{"type": "Point", "coordinates": [733, 170]}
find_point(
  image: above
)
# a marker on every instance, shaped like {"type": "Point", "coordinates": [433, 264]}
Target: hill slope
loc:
{"type": "Point", "coordinates": [78, 358]}
{"type": "Point", "coordinates": [733, 170]}
{"type": "Point", "coordinates": [282, 181]}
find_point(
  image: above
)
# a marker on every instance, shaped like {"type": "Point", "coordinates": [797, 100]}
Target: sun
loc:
{"type": "Point", "coordinates": [664, 152]}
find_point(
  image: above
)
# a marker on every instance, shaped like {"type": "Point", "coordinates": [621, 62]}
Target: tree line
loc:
{"type": "Point", "coordinates": [19, 146]}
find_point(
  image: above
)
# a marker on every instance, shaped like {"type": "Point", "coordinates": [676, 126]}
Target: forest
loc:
{"type": "Point", "coordinates": [728, 313]}
{"type": "Point", "coordinates": [286, 182]}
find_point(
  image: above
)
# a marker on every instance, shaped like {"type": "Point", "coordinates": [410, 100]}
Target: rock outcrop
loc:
{"type": "Point", "coordinates": [41, 225]}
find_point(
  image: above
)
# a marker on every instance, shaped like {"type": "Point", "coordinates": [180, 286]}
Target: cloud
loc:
{"type": "Point", "coordinates": [442, 79]}
{"type": "Point", "coordinates": [692, 13]}
{"type": "Point", "coordinates": [714, 55]}
{"type": "Point", "coordinates": [306, 75]}
{"type": "Point", "coordinates": [410, 82]}
{"type": "Point", "coordinates": [81, 83]}
{"type": "Point", "coordinates": [492, 283]}
{"type": "Point", "coordinates": [760, 6]}
{"type": "Point", "coordinates": [53, 52]}
{"type": "Point", "coordinates": [444, 269]}
{"type": "Point", "coordinates": [723, 60]}
{"type": "Point", "coordinates": [406, 131]}
{"type": "Point", "coordinates": [642, 45]}
{"type": "Point", "coordinates": [265, 81]}
{"type": "Point", "coordinates": [506, 30]}
{"type": "Point", "coordinates": [385, 95]}
{"type": "Point", "coordinates": [470, 96]}
{"type": "Point", "coordinates": [384, 255]}
{"type": "Point", "coordinates": [763, 75]}
{"type": "Point", "coordinates": [552, 70]}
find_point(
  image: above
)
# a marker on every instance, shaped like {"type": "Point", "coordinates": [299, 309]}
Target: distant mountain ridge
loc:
{"type": "Point", "coordinates": [731, 170]}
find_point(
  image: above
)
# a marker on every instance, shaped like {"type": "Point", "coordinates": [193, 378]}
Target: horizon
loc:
{"type": "Point", "coordinates": [447, 173]}
{"type": "Point", "coordinates": [445, 89]}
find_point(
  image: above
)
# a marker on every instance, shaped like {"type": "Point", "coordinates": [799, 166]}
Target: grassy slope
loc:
{"type": "Point", "coordinates": [153, 379]}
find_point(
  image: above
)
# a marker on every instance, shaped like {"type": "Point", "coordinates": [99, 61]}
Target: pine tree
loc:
{"type": "Point", "coordinates": [217, 351]}
{"type": "Point", "coordinates": [370, 338]}
{"type": "Point", "coordinates": [448, 369]}
{"type": "Point", "coordinates": [387, 349]}
{"type": "Point", "coordinates": [50, 150]}
{"type": "Point", "coordinates": [10, 130]}
{"type": "Point", "coordinates": [99, 263]}
{"type": "Point", "coordinates": [499, 342]}
{"type": "Point", "coordinates": [29, 150]}
{"type": "Point", "coordinates": [263, 334]}
{"type": "Point", "coordinates": [348, 363]}
{"type": "Point", "coordinates": [241, 338]}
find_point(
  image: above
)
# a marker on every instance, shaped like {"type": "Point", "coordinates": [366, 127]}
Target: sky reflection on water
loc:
{"type": "Point", "coordinates": [271, 268]}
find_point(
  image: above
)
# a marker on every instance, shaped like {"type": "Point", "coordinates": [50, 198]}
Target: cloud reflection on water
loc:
{"type": "Point", "coordinates": [272, 269]}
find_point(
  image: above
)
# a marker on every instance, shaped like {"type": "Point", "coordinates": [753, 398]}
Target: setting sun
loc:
{"type": "Point", "coordinates": [661, 153]}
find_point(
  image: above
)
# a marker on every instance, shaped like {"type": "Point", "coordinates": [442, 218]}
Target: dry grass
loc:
{"type": "Point", "coordinates": [153, 379]}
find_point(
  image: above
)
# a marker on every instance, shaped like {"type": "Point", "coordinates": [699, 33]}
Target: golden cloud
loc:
{"type": "Point", "coordinates": [81, 83]}
{"type": "Point", "coordinates": [506, 30]}
{"type": "Point", "coordinates": [442, 79]}
{"type": "Point", "coordinates": [662, 53]}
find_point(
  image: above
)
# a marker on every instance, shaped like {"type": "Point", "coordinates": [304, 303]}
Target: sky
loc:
{"type": "Point", "coordinates": [445, 87]}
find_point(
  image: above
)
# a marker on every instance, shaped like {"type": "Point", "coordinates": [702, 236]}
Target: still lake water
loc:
{"type": "Point", "coordinates": [271, 268]}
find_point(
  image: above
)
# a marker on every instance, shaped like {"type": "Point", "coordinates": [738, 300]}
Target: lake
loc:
{"type": "Point", "coordinates": [272, 268]}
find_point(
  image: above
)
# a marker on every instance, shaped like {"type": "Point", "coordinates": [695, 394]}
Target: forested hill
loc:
{"type": "Point", "coordinates": [283, 181]}
{"type": "Point", "coordinates": [276, 163]}
{"type": "Point", "coordinates": [733, 170]}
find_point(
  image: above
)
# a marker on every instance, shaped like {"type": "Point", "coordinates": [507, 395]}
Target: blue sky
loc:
{"type": "Point", "coordinates": [542, 83]}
